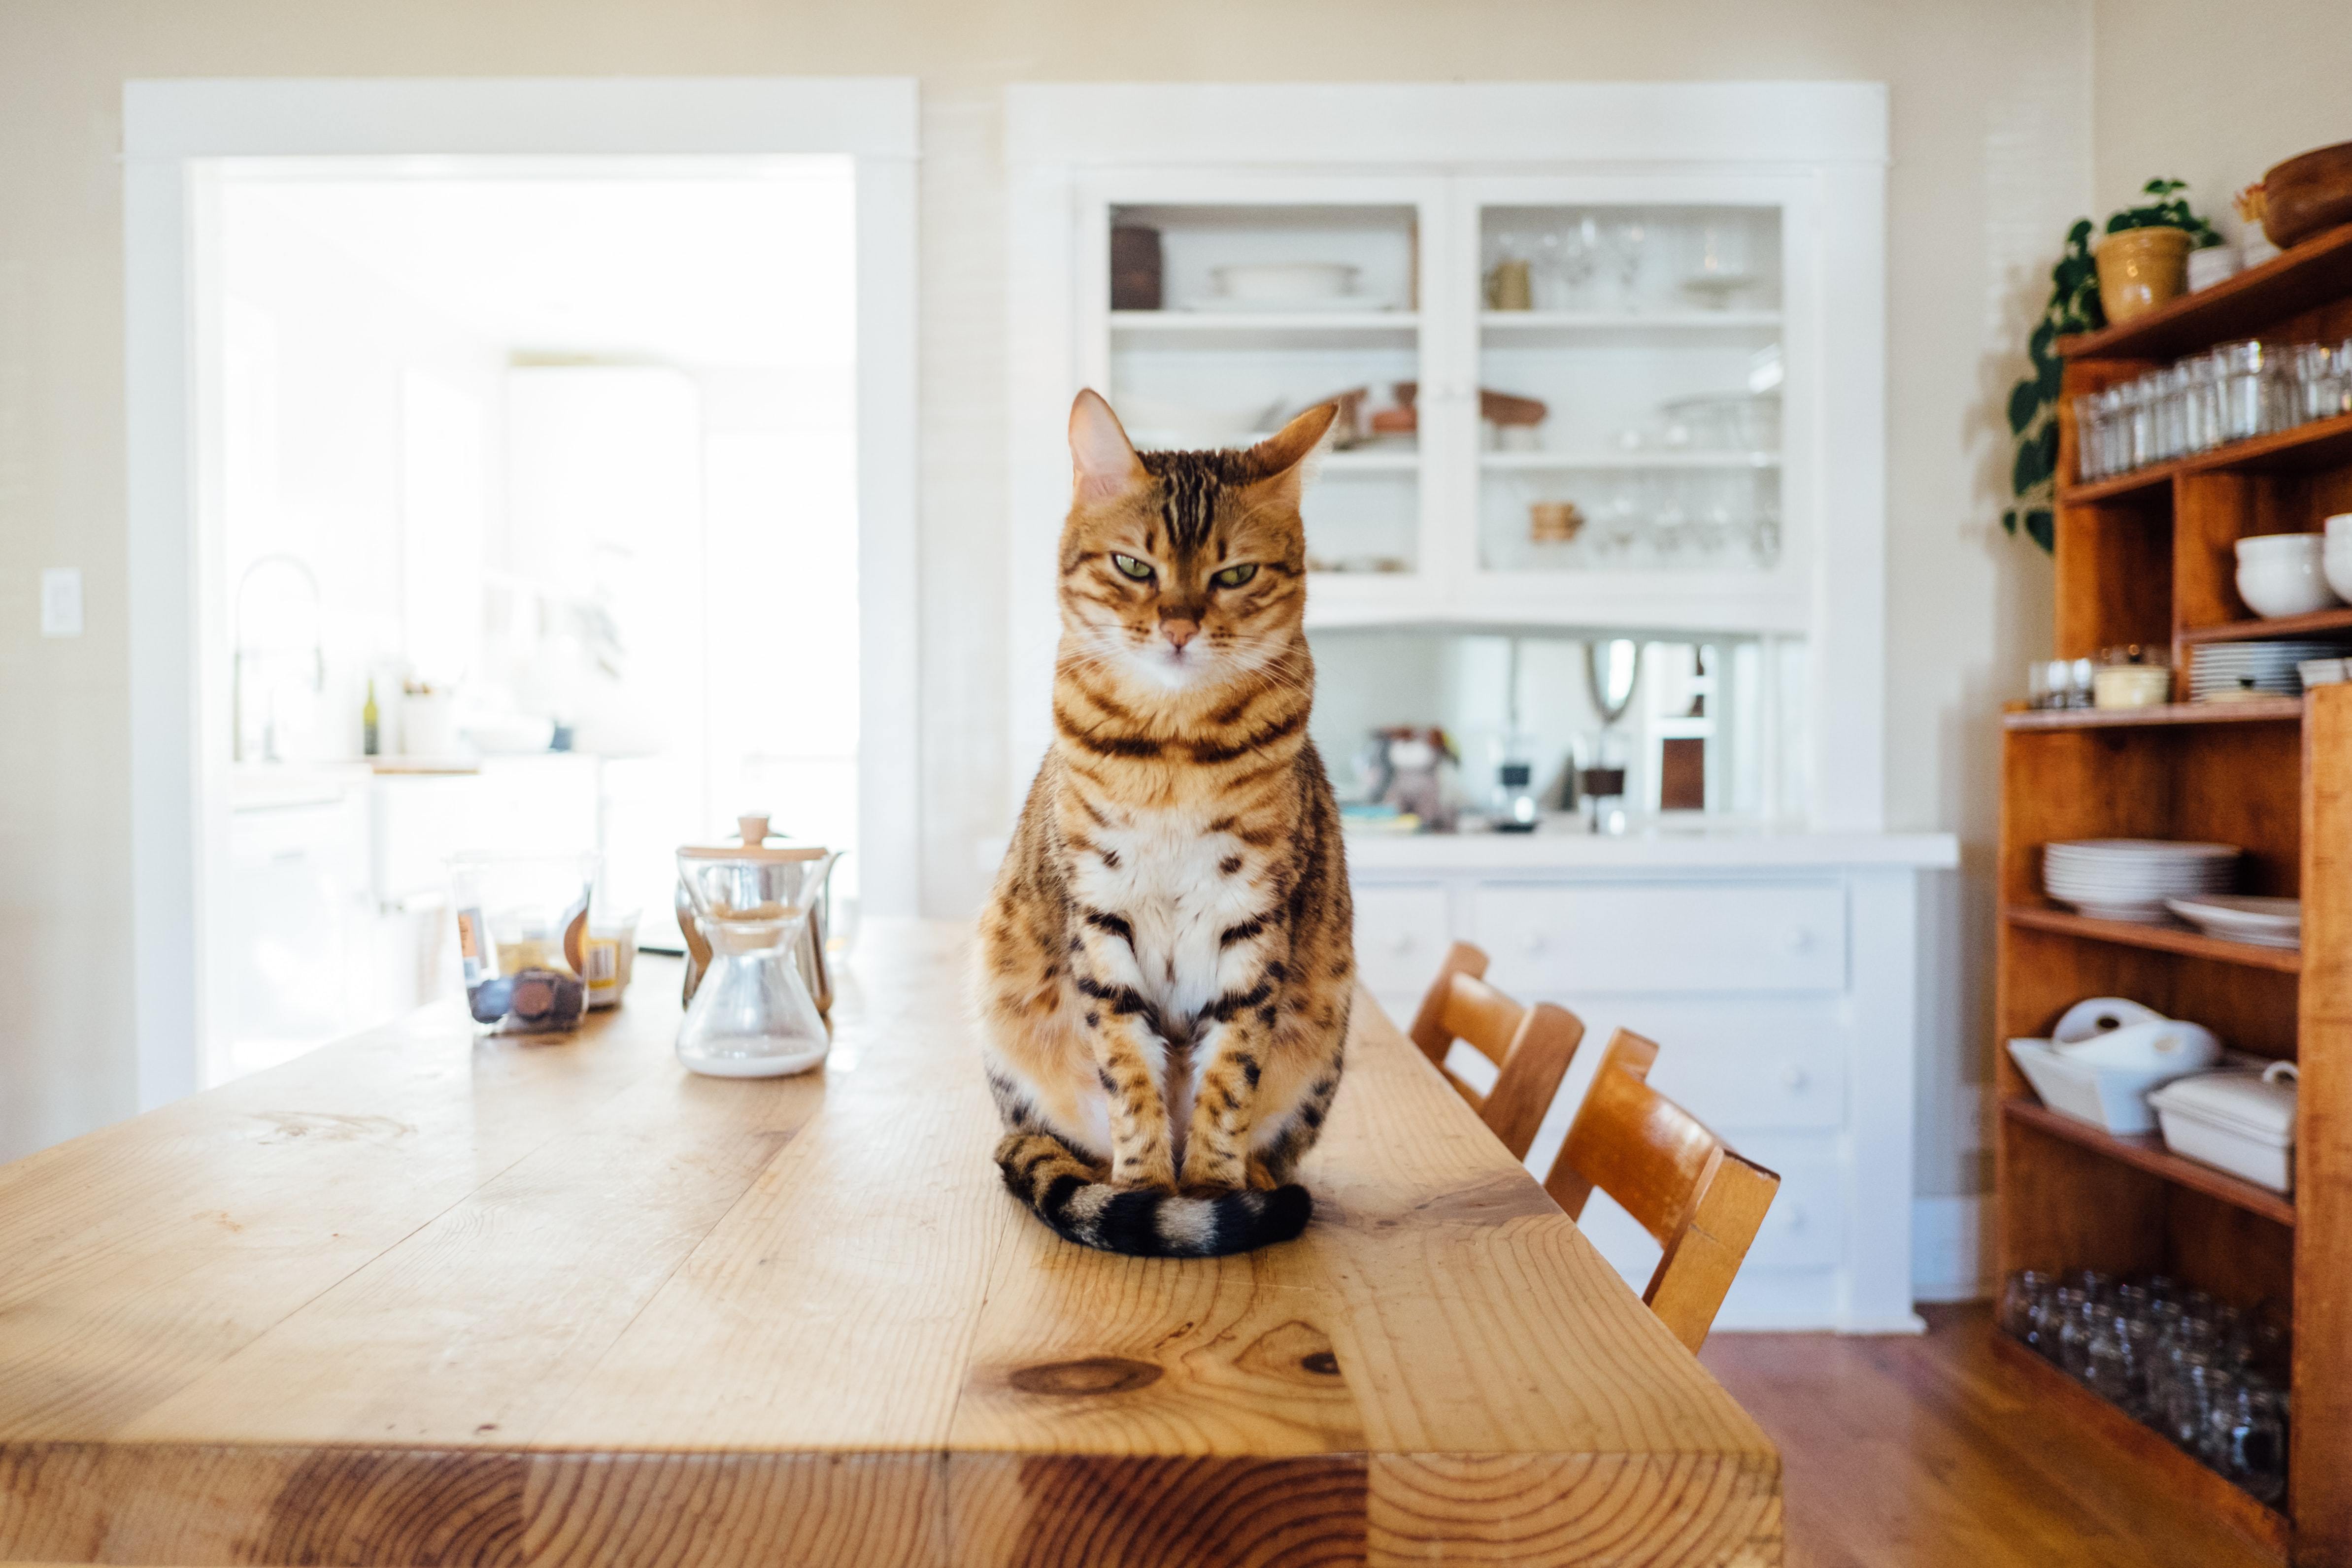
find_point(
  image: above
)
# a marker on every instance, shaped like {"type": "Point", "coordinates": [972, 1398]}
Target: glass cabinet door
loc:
{"type": "Point", "coordinates": [1224, 318]}
{"type": "Point", "coordinates": [1631, 369]}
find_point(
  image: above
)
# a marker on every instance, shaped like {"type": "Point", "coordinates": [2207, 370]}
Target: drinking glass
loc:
{"type": "Point", "coordinates": [2021, 1299]}
{"type": "Point", "coordinates": [2078, 1317]}
{"type": "Point", "coordinates": [2188, 1407]}
{"type": "Point", "coordinates": [2245, 390]}
{"type": "Point", "coordinates": [2246, 1438]}
{"type": "Point", "coordinates": [2111, 1363]}
{"type": "Point", "coordinates": [1626, 238]}
{"type": "Point", "coordinates": [2312, 370]}
{"type": "Point", "coordinates": [2088, 456]}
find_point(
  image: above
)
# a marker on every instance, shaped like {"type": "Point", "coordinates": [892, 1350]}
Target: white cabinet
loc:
{"type": "Point", "coordinates": [1690, 937]}
{"type": "Point", "coordinates": [1685, 281]}
{"type": "Point", "coordinates": [1784, 998]}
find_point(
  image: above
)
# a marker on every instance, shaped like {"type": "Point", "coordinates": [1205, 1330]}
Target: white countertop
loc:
{"type": "Point", "coordinates": [1568, 848]}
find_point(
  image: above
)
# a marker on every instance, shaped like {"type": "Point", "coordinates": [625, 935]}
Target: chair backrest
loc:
{"type": "Point", "coordinates": [1531, 1047]}
{"type": "Point", "coordinates": [1699, 1200]}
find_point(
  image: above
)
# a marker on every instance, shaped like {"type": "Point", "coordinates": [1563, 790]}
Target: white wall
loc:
{"type": "Point", "coordinates": [1992, 118]}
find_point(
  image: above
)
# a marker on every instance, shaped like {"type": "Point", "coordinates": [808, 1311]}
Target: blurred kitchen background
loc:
{"type": "Point", "coordinates": [536, 525]}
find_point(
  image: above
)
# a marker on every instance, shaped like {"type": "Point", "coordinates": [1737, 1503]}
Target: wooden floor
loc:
{"type": "Point", "coordinates": [1919, 1452]}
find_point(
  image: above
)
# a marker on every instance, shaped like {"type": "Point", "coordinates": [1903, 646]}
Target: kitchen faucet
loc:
{"type": "Point", "coordinates": [240, 652]}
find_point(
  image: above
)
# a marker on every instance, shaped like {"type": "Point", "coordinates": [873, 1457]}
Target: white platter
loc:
{"type": "Point", "coordinates": [2265, 922]}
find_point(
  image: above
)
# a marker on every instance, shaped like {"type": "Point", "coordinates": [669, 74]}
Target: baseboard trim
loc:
{"type": "Point", "coordinates": [1950, 1258]}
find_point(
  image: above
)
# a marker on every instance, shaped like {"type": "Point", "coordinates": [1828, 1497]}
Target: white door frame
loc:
{"type": "Point", "coordinates": [171, 132]}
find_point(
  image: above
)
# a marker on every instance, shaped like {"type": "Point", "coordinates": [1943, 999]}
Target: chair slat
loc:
{"type": "Point", "coordinates": [1701, 1202]}
{"type": "Point", "coordinates": [1531, 1047]}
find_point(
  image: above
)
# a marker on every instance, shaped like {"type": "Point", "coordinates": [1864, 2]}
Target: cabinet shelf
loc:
{"type": "Point", "coordinates": [2173, 1472]}
{"type": "Point", "coordinates": [1578, 462]}
{"type": "Point", "coordinates": [1259, 330]}
{"type": "Point", "coordinates": [2321, 444]}
{"type": "Point", "coordinates": [2157, 938]}
{"type": "Point", "coordinates": [2145, 1151]}
{"type": "Point", "coordinates": [1396, 460]}
{"type": "Point", "coordinates": [1551, 329]}
{"type": "Point", "coordinates": [2316, 272]}
{"type": "Point", "coordinates": [2253, 710]}
{"type": "Point", "coordinates": [2317, 621]}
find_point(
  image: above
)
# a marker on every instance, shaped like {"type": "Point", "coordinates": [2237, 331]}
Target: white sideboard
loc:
{"type": "Point", "coordinates": [1781, 975]}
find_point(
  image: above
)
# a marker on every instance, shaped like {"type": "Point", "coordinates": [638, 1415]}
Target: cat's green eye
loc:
{"type": "Point", "coordinates": [1234, 576]}
{"type": "Point", "coordinates": [1131, 567]}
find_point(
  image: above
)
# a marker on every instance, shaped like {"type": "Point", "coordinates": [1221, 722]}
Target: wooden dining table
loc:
{"type": "Point", "coordinates": [420, 1298]}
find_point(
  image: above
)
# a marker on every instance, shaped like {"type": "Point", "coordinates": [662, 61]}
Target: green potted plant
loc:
{"type": "Point", "coordinates": [2143, 259]}
{"type": "Point", "coordinates": [2073, 307]}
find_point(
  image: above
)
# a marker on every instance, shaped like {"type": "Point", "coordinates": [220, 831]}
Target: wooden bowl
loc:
{"type": "Point", "coordinates": [2308, 193]}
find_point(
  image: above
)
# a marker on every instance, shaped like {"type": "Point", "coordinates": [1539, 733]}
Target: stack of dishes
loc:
{"type": "Point", "coordinates": [2265, 922]}
{"type": "Point", "coordinates": [2218, 672]}
{"type": "Point", "coordinates": [2130, 879]}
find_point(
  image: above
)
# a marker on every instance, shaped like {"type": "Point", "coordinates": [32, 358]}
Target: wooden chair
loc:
{"type": "Point", "coordinates": [1531, 1047]}
{"type": "Point", "coordinates": [1702, 1202]}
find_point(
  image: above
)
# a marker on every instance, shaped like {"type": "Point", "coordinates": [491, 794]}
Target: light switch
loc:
{"type": "Point", "coordinates": [61, 602]}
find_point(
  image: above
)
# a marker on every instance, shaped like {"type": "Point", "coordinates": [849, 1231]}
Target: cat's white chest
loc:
{"type": "Point", "coordinates": [1171, 885]}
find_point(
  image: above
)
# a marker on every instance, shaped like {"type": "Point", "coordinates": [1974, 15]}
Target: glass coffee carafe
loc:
{"type": "Point", "coordinates": [752, 1016]}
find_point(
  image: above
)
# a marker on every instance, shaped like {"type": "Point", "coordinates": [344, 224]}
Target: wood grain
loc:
{"type": "Point", "coordinates": [2320, 1475]}
{"type": "Point", "coordinates": [1933, 1451]}
{"type": "Point", "coordinates": [2311, 276]}
{"type": "Point", "coordinates": [573, 1305]}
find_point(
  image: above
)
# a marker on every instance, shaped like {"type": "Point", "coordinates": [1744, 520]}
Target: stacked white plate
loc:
{"type": "Point", "coordinates": [2221, 670]}
{"type": "Point", "coordinates": [2130, 879]}
{"type": "Point", "coordinates": [2265, 922]}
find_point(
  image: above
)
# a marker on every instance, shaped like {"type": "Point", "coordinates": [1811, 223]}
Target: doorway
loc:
{"type": "Point", "coordinates": [530, 500]}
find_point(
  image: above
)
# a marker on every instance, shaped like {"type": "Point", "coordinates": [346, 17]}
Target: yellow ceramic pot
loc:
{"type": "Point", "coordinates": [2139, 269]}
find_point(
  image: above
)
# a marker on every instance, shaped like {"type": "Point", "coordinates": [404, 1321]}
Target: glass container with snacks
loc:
{"type": "Point", "coordinates": [523, 938]}
{"type": "Point", "coordinates": [2135, 675]}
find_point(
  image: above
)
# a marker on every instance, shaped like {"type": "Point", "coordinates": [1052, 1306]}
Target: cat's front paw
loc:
{"type": "Point", "coordinates": [1147, 1175]}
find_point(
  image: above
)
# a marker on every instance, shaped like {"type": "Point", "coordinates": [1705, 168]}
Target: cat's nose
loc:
{"type": "Point", "coordinates": [1180, 632]}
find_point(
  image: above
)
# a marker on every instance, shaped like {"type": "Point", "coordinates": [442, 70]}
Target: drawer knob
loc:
{"type": "Point", "coordinates": [1791, 1216]}
{"type": "Point", "coordinates": [1534, 942]}
{"type": "Point", "coordinates": [1794, 1077]}
{"type": "Point", "coordinates": [1801, 940]}
{"type": "Point", "coordinates": [1401, 943]}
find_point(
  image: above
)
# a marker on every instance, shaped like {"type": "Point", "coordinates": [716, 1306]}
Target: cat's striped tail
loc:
{"type": "Point", "coordinates": [1063, 1189]}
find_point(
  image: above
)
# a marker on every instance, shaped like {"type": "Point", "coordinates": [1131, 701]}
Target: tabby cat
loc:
{"type": "Point", "coordinates": [1165, 964]}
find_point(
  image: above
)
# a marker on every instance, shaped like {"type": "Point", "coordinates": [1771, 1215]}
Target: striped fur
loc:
{"type": "Point", "coordinates": [1164, 966]}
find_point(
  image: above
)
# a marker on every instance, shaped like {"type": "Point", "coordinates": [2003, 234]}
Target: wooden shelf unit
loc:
{"type": "Point", "coordinates": [2149, 557]}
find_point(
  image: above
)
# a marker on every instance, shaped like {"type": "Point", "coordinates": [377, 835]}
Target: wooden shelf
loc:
{"type": "Point", "coordinates": [2253, 710]}
{"type": "Point", "coordinates": [2320, 443]}
{"type": "Point", "coordinates": [1571, 462]}
{"type": "Point", "coordinates": [2318, 623]}
{"type": "Point", "coordinates": [2147, 1152]}
{"type": "Point", "coordinates": [2173, 1471]}
{"type": "Point", "coordinates": [2178, 939]}
{"type": "Point", "coordinates": [2313, 272]}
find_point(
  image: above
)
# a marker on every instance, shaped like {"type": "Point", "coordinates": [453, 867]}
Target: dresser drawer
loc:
{"type": "Point", "coordinates": [1805, 1227]}
{"type": "Point", "coordinates": [1752, 1086]}
{"type": "Point", "coordinates": [1600, 937]}
{"type": "Point", "coordinates": [1400, 938]}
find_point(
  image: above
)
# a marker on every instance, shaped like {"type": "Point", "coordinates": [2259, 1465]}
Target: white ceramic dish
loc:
{"type": "Point", "coordinates": [2114, 1098]}
{"type": "Point", "coordinates": [2282, 574]}
{"type": "Point", "coordinates": [1285, 282]}
{"type": "Point", "coordinates": [2324, 672]}
{"type": "Point", "coordinates": [2265, 922]}
{"type": "Point", "coordinates": [2242, 1122]}
{"type": "Point", "coordinates": [1334, 304]}
{"type": "Point", "coordinates": [2157, 1045]}
{"type": "Point", "coordinates": [2095, 1015]}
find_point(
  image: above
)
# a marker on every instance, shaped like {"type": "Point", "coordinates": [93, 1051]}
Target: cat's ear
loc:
{"type": "Point", "coordinates": [1288, 459]}
{"type": "Point", "coordinates": [1104, 459]}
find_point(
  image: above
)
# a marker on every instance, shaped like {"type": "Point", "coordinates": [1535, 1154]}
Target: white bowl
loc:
{"type": "Point", "coordinates": [2336, 567]}
{"type": "Point", "coordinates": [1286, 279]}
{"type": "Point", "coordinates": [2339, 528]}
{"type": "Point", "coordinates": [2269, 546]}
{"type": "Point", "coordinates": [2284, 584]}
